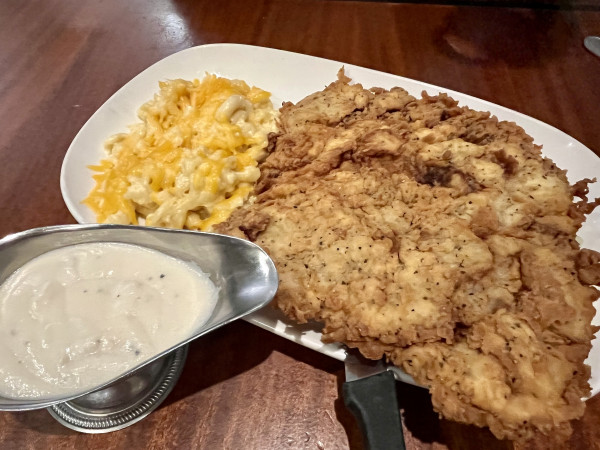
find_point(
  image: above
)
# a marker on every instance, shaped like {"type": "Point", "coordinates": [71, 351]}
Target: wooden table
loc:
{"type": "Point", "coordinates": [242, 387]}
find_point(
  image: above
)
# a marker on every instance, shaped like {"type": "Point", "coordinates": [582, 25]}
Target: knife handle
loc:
{"type": "Point", "coordinates": [373, 402]}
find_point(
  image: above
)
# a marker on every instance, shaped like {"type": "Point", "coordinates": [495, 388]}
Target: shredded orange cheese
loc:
{"type": "Point", "coordinates": [190, 161]}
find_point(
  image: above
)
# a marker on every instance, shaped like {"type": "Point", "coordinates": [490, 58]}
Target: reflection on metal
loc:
{"type": "Point", "coordinates": [592, 43]}
{"type": "Point", "coordinates": [125, 402]}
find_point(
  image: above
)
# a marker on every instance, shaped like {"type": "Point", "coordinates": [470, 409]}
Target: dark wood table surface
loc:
{"type": "Point", "coordinates": [244, 388]}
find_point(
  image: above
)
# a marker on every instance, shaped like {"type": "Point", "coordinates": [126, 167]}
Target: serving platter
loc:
{"type": "Point", "coordinates": [290, 77]}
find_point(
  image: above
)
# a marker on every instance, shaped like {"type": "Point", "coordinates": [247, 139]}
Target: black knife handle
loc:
{"type": "Point", "coordinates": [373, 402]}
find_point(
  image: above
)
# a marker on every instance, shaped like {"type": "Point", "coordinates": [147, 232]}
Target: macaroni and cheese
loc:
{"type": "Point", "coordinates": [191, 161]}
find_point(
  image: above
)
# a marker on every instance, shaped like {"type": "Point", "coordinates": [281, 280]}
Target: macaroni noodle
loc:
{"type": "Point", "coordinates": [192, 159]}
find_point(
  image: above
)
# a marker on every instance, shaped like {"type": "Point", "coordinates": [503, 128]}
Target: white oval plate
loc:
{"type": "Point", "coordinates": [290, 77]}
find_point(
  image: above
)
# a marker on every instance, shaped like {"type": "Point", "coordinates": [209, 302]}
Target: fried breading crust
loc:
{"type": "Point", "coordinates": [439, 237]}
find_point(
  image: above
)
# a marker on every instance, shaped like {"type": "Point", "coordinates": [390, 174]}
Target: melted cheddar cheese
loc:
{"type": "Point", "coordinates": [190, 161]}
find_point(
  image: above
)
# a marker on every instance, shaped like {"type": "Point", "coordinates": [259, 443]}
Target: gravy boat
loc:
{"type": "Point", "coordinates": [244, 274]}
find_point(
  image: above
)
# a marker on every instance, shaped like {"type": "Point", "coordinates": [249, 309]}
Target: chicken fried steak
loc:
{"type": "Point", "coordinates": [439, 237]}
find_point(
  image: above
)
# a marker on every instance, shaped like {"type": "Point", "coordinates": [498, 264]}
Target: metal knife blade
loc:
{"type": "Point", "coordinates": [370, 394]}
{"type": "Point", "coordinates": [592, 43]}
{"type": "Point", "coordinates": [358, 367]}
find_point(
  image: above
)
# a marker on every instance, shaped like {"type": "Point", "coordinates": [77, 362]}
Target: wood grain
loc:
{"type": "Point", "coordinates": [243, 387]}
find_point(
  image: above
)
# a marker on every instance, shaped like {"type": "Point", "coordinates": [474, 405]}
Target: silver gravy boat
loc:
{"type": "Point", "coordinates": [243, 272]}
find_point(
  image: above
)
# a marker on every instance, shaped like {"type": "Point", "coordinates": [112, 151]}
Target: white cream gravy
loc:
{"type": "Point", "coordinates": [76, 317]}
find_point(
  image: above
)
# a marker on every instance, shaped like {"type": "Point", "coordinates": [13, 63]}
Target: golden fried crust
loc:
{"type": "Point", "coordinates": [439, 237]}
